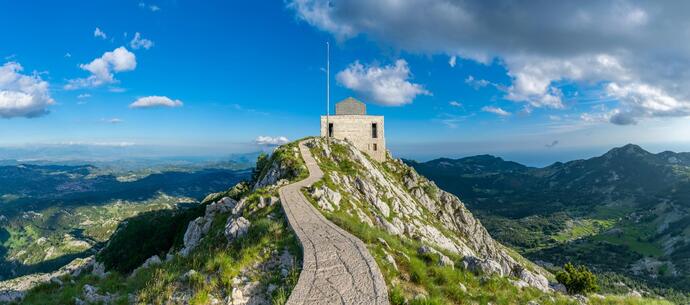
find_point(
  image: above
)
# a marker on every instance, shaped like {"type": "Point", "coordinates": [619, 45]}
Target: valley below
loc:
{"type": "Point", "coordinates": [625, 214]}
{"type": "Point", "coordinates": [52, 214]}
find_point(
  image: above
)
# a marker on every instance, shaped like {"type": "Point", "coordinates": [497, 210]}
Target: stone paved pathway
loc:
{"type": "Point", "coordinates": [337, 267]}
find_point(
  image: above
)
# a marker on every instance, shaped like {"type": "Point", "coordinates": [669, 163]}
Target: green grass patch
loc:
{"type": "Point", "coordinates": [583, 227]}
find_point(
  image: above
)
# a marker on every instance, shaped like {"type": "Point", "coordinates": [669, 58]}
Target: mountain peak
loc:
{"type": "Point", "coordinates": [627, 150]}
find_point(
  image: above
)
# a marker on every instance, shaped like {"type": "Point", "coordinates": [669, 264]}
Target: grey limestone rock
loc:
{"type": "Point", "coordinates": [195, 231]}
{"type": "Point", "coordinates": [236, 227]}
{"type": "Point", "coordinates": [482, 266]}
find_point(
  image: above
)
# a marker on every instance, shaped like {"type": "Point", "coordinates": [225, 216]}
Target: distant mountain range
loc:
{"type": "Point", "coordinates": [120, 156]}
{"type": "Point", "coordinates": [627, 211]}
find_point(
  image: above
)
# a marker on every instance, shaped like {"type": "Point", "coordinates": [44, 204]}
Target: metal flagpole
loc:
{"type": "Point", "coordinates": [328, 93]}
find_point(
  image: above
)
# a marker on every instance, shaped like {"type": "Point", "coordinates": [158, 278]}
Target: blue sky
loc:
{"type": "Point", "coordinates": [211, 78]}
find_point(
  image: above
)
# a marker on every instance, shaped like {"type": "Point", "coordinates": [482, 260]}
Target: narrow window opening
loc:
{"type": "Point", "coordinates": [375, 147]}
{"type": "Point", "coordinates": [330, 130]}
{"type": "Point", "coordinates": [374, 131]}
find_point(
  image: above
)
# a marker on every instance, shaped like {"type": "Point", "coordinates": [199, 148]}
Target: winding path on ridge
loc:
{"type": "Point", "coordinates": [337, 268]}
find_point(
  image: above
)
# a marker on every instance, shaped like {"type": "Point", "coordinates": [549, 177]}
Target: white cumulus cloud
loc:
{"type": "Point", "coordinates": [496, 110]}
{"type": "Point", "coordinates": [22, 95]}
{"type": "Point", "coordinates": [387, 85]}
{"type": "Point", "coordinates": [139, 42]}
{"type": "Point", "coordinates": [267, 140]}
{"type": "Point", "coordinates": [102, 69]}
{"type": "Point", "coordinates": [155, 101]}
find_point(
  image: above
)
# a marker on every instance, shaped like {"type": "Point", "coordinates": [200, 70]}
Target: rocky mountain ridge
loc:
{"type": "Point", "coordinates": [624, 212]}
{"type": "Point", "coordinates": [394, 197]}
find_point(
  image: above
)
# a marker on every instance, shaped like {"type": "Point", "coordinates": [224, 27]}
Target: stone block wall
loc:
{"type": "Point", "coordinates": [357, 129]}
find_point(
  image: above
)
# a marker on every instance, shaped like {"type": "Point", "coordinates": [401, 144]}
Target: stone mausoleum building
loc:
{"type": "Point", "coordinates": [351, 123]}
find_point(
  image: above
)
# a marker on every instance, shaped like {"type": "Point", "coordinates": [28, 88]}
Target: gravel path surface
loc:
{"type": "Point", "coordinates": [337, 267]}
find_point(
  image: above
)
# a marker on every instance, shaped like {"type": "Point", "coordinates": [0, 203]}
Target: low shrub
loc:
{"type": "Point", "coordinates": [578, 280]}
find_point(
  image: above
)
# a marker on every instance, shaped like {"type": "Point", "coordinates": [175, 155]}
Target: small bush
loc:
{"type": "Point", "coordinates": [578, 280]}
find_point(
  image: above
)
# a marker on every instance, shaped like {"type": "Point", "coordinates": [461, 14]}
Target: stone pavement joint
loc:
{"type": "Point", "coordinates": [337, 268]}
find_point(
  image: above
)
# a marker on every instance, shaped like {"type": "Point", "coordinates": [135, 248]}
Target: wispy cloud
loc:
{"type": "Point", "coordinates": [140, 42]}
{"type": "Point", "coordinates": [107, 144]}
{"type": "Point", "coordinates": [239, 107]}
{"type": "Point", "coordinates": [150, 7]}
{"type": "Point", "coordinates": [476, 83]}
{"type": "Point", "coordinates": [271, 141]}
{"type": "Point", "coordinates": [452, 120]}
{"type": "Point", "coordinates": [100, 34]}
{"type": "Point", "coordinates": [112, 121]}
{"type": "Point", "coordinates": [496, 110]}
{"type": "Point", "coordinates": [452, 61]}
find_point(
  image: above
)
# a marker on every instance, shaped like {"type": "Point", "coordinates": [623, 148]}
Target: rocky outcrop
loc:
{"type": "Point", "coordinates": [482, 266]}
{"type": "Point", "coordinates": [271, 176]}
{"type": "Point", "coordinates": [327, 199]}
{"type": "Point", "coordinates": [535, 280]}
{"type": "Point", "coordinates": [236, 227]}
{"type": "Point", "coordinates": [15, 289]}
{"type": "Point", "coordinates": [443, 260]}
{"type": "Point", "coordinates": [278, 171]}
{"type": "Point", "coordinates": [91, 296]}
{"type": "Point", "coordinates": [151, 261]}
{"type": "Point", "coordinates": [392, 196]}
{"type": "Point", "coordinates": [197, 228]}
